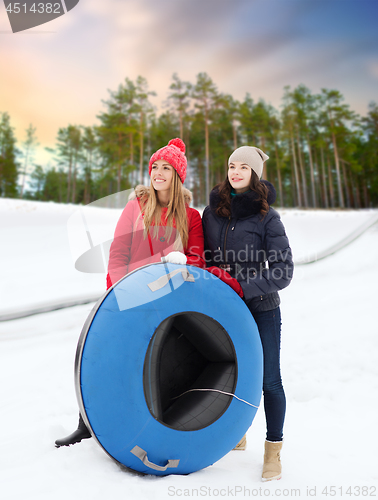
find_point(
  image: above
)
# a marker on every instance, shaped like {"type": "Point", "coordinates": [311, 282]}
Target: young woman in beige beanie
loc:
{"type": "Point", "coordinates": [244, 236]}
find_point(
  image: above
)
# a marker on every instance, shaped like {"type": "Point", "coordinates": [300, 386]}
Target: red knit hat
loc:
{"type": "Point", "coordinates": [174, 154]}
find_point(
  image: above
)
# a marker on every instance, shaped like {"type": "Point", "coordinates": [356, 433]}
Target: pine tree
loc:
{"type": "Point", "coordinates": [367, 154]}
{"type": "Point", "coordinates": [305, 107]}
{"type": "Point", "coordinates": [180, 96]}
{"type": "Point", "coordinates": [28, 152]}
{"type": "Point", "coordinates": [246, 121]}
{"type": "Point", "coordinates": [336, 116]}
{"type": "Point", "coordinates": [89, 144]}
{"type": "Point", "coordinates": [130, 110]}
{"type": "Point", "coordinates": [223, 137]}
{"type": "Point", "coordinates": [205, 93]}
{"type": "Point", "coordinates": [69, 154]}
{"type": "Point", "coordinates": [8, 163]}
{"type": "Point", "coordinates": [114, 133]}
{"type": "Point", "coordinates": [52, 185]}
{"type": "Point", "coordinates": [289, 122]}
{"type": "Point", "coordinates": [297, 99]}
{"type": "Point", "coordinates": [144, 108]}
{"type": "Point", "coordinates": [371, 120]}
{"type": "Point", "coordinates": [37, 181]}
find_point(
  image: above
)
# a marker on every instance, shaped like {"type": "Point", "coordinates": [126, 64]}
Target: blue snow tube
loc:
{"type": "Point", "coordinates": [168, 370]}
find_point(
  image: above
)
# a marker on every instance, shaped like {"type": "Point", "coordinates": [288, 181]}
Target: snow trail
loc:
{"type": "Point", "coordinates": [329, 371]}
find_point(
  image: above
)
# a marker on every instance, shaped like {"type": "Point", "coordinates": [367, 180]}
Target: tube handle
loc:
{"type": "Point", "coordinates": [142, 455]}
{"type": "Point", "coordinates": [163, 280]}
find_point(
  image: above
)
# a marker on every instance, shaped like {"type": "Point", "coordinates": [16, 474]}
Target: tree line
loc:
{"type": "Point", "coordinates": [322, 154]}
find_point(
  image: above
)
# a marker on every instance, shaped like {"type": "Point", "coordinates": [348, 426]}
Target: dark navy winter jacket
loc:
{"type": "Point", "coordinates": [255, 247]}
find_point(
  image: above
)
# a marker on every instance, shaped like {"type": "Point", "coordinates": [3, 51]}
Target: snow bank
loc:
{"type": "Point", "coordinates": [37, 256]}
{"type": "Point", "coordinates": [329, 370]}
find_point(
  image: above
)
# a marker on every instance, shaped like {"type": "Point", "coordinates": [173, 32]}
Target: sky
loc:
{"type": "Point", "coordinates": [59, 73]}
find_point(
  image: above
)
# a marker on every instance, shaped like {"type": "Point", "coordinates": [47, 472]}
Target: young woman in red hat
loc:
{"type": "Point", "coordinates": [156, 224]}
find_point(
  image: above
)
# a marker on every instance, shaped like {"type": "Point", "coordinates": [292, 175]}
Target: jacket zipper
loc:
{"type": "Point", "coordinates": [225, 238]}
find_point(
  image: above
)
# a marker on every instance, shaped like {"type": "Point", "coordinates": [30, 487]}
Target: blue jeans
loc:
{"type": "Point", "coordinates": [269, 325]}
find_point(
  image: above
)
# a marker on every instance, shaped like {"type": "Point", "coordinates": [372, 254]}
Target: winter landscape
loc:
{"type": "Point", "coordinates": [329, 368]}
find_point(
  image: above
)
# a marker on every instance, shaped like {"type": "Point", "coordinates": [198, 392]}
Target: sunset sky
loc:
{"type": "Point", "coordinates": [57, 74]}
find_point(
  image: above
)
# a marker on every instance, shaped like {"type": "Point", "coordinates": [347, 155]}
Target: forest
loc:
{"type": "Point", "coordinates": [322, 154]}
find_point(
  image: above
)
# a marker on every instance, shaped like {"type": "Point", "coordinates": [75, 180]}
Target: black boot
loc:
{"type": "Point", "coordinates": [81, 433]}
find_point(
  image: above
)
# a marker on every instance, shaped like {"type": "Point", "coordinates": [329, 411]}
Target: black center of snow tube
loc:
{"type": "Point", "coordinates": [189, 351]}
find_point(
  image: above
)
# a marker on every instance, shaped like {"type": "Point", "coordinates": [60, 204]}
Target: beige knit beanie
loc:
{"type": "Point", "coordinates": [252, 156]}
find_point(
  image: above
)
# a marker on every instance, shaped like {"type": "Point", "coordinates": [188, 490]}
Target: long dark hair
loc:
{"type": "Point", "coordinates": [224, 191]}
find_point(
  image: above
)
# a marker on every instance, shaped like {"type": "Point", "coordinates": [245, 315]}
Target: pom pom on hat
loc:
{"type": "Point", "coordinates": [251, 156]}
{"type": "Point", "coordinates": [173, 153]}
{"type": "Point", "coordinates": [178, 143]}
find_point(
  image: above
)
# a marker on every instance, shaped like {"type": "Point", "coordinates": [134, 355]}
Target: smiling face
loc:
{"type": "Point", "coordinates": [161, 175]}
{"type": "Point", "coordinates": [239, 175]}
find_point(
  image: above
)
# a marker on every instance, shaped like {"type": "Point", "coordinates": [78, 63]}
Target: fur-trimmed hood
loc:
{"type": "Point", "coordinates": [245, 204]}
{"type": "Point", "coordinates": [141, 190]}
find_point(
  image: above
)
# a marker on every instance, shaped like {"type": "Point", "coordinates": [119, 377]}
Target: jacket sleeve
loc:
{"type": "Point", "coordinates": [280, 261]}
{"type": "Point", "coordinates": [119, 255]}
{"type": "Point", "coordinates": [194, 249]}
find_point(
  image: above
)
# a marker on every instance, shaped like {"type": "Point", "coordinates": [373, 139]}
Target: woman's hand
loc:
{"type": "Point", "coordinates": [175, 258]}
{"type": "Point", "coordinates": [226, 278]}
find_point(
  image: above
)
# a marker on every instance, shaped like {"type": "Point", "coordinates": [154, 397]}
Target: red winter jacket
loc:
{"type": "Point", "coordinates": [131, 250]}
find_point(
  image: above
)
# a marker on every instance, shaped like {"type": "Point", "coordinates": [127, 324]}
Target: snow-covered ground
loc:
{"type": "Point", "coordinates": [329, 369]}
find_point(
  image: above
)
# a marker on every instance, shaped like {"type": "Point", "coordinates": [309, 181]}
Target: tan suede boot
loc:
{"type": "Point", "coordinates": [272, 461]}
{"type": "Point", "coordinates": [242, 444]}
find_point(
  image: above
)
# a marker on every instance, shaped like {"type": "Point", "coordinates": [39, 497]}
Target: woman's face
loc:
{"type": "Point", "coordinates": [161, 175]}
{"type": "Point", "coordinates": [239, 175]}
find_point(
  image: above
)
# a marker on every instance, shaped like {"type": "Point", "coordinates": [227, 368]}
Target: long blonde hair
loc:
{"type": "Point", "coordinates": [176, 211]}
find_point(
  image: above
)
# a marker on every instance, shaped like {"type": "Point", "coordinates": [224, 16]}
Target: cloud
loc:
{"type": "Point", "coordinates": [221, 37]}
